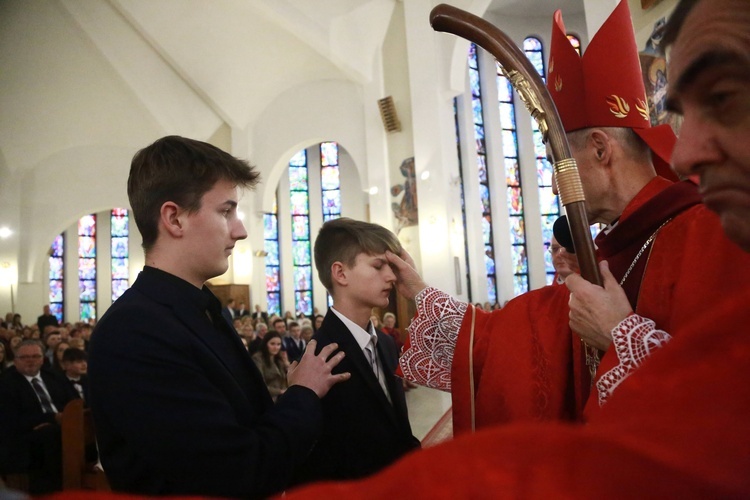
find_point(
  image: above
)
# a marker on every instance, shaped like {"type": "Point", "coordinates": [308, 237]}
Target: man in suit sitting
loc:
{"type": "Point", "coordinates": [32, 399]}
{"type": "Point", "coordinates": [293, 343]}
{"type": "Point", "coordinates": [259, 315]}
{"type": "Point", "coordinates": [180, 407]}
{"type": "Point", "coordinates": [366, 420]}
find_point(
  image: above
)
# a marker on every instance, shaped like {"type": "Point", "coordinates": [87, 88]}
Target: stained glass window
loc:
{"type": "Point", "coordinates": [575, 42]}
{"type": "Point", "coordinates": [549, 205]}
{"type": "Point", "coordinates": [484, 187]}
{"type": "Point", "coordinates": [513, 183]}
{"type": "Point", "coordinates": [119, 233]}
{"type": "Point", "coordinates": [271, 247]}
{"type": "Point", "coordinates": [57, 277]}
{"type": "Point", "coordinates": [87, 267]}
{"type": "Point", "coordinates": [300, 201]}
{"type": "Point", "coordinates": [330, 184]}
{"type": "Point", "coordinates": [463, 198]}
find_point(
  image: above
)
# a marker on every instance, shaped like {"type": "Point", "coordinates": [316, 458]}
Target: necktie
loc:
{"type": "Point", "coordinates": [42, 395]}
{"type": "Point", "coordinates": [372, 357]}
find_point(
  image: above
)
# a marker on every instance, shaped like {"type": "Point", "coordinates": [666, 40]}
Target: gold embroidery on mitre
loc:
{"type": "Point", "coordinates": [642, 108]}
{"type": "Point", "coordinates": [551, 65]}
{"type": "Point", "coordinates": [618, 106]}
{"type": "Point", "coordinates": [558, 83]}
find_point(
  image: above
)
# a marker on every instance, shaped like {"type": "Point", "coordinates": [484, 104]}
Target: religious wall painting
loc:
{"type": "Point", "coordinates": [405, 209]}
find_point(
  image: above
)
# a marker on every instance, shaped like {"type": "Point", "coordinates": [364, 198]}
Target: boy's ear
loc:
{"type": "Point", "coordinates": [338, 274]}
{"type": "Point", "coordinates": [170, 217]}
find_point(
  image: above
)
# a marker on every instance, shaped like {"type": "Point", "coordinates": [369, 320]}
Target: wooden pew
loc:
{"type": "Point", "coordinates": [78, 433]}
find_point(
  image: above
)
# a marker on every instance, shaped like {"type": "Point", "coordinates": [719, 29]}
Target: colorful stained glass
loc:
{"type": "Point", "coordinates": [303, 277]}
{"type": "Point", "coordinates": [55, 291]}
{"type": "Point", "coordinates": [299, 202]}
{"type": "Point", "coordinates": [484, 197]}
{"type": "Point", "coordinates": [299, 159]}
{"type": "Point", "coordinates": [120, 269]}
{"type": "Point", "coordinates": [57, 309]}
{"type": "Point", "coordinates": [87, 269]}
{"type": "Point", "coordinates": [298, 178]}
{"type": "Point", "coordinates": [512, 172]}
{"type": "Point", "coordinates": [118, 288]}
{"type": "Point", "coordinates": [87, 290]}
{"type": "Point", "coordinates": [329, 178]}
{"type": "Point", "coordinates": [301, 253]}
{"type": "Point", "coordinates": [55, 268]}
{"type": "Point", "coordinates": [88, 311]}
{"type": "Point", "coordinates": [120, 247]}
{"type": "Point", "coordinates": [575, 42]}
{"type": "Point", "coordinates": [510, 146]}
{"type": "Point", "coordinates": [86, 246]}
{"type": "Point", "coordinates": [517, 235]}
{"type": "Point", "coordinates": [303, 302]}
{"type": "Point", "coordinates": [540, 150]}
{"type": "Point", "coordinates": [548, 266]}
{"type": "Point", "coordinates": [87, 225]}
{"type": "Point", "coordinates": [520, 284]}
{"type": "Point", "coordinates": [270, 227]}
{"type": "Point", "coordinates": [515, 202]}
{"type": "Point", "coordinates": [474, 82]}
{"type": "Point", "coordinates": [518, 257]}
{"type": "Point", "coordinates": [504, 88]}
{"type": "Point", "coordinates": [487, 230]}
{"type": "Point", "coordinates": [507, 115]}
{"type": "Point", "coordinates": [272, 279]}
{"type": "Point", "coordinates": [548, 201]}
{"type": "Point", "coordinates": [472, 56]}
{"type": "Point", "coordinates": [482, 168]}
{"type": "Point", "coordinates": [329, 154]}
{"type": "Point", "coordinates": [491, 289]}
{"type": "Point", "coordinates": [476, 108]}
{"type": "Point", "coordinates": [58, 246]}
{"type": "Point", "coordinates": [272, 249]}
{"type": "Point", "coordinates": [273, 300]}
{"type": "Point", "coordinates": [327, 217]}
{"type": "Point", "coordinates": [547, 222]}
{"type": "Point", "coordinates": [300, 227]}
{"type": "Point", "coordinates": [544, 172]}
{"type": "Point", "coordinates": [332, 202]}
{"type": "Point", "coordinates": [119, 212]}
{"type": "Point", "coordinates": [489, 262]}
{"type": "Point", "coordinates": [532, 44]}
{"type": "Point", "coordinates": [119, 226]}
{"type": "Point", "coordinates": [479, 137]}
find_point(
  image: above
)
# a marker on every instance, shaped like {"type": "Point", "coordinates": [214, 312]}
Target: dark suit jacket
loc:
{"type": "Point", "coordinates": [263, 316]}
{"type": "Point", "coordinates": [362, 432]}
{"type": "Point", "coordinates": [228, 315]}
{"type": "Point", "coordinates": [179, 406]}
{"type": "Point", "coordinates": [84, 381]}
{"type": "Point", "coordinates": [20, 412]}
{"type": "Point", "coordinates": [293, 353]}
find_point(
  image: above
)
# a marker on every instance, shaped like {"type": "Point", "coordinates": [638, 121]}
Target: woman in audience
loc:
{"type": "Point", "coordinates": [3, 359]}
{"type": "Point", "coordinates": [271, 364]}
{"type": "Point", "coordinates": [318, 321]}
{"type": "Point", "coordinates": [57, 359]}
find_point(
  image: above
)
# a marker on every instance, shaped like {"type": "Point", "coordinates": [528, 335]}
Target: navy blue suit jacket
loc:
{"type": "Point", "coordinates": [362, 432]}
{"type": "Point", "coordinates": [179, 406]}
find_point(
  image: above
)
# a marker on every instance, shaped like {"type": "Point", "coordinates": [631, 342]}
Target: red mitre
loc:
{"type": "Point", "coordinates": [604, 88]}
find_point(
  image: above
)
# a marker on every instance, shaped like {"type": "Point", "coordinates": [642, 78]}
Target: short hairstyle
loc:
{"type": "Point", "coordinates": [293, 324]}
{"type": "Point", "coordinates": [73, 354]}
{"type": "Point", "coordinates": [277, 320]}
{"type": "Point", "coordinates": [676, 20]}
{"type": "Point", "coordinates": [26, 342]}
{"type": "Point", "coordinates": [634, 146]}
{"type": "Point", "coordinates": [389, 315]}
{"type": "Point", "coordinates": [343, 239]}
{"type": "Point", "coordinates": [180, 170]}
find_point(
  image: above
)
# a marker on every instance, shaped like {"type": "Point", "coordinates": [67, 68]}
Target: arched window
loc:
{"type": "Point", "coordinates": [513, 184]}
{"type": "Point", "coordinates": [549, 206]}
{"type": "Point", "coordinates": [330, 184]}
{"type": "Point", "coordinates": [119, 233]}
{"type": "Point", "coordinates": [87, 267]}
{"type": "Point", "coordinates": [57, 277]}
{"type": "Point", "coordinates": [484, 185]}
{"type": "Point", "coordinates": [301, 253]}
{"type": "Point", "coordinates": [271, 247]}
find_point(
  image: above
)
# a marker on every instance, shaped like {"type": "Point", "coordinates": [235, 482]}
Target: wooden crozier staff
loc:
{"type": "Point", "coordinates": [523, 77]}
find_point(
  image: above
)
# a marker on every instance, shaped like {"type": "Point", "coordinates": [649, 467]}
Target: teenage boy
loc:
{"type": "Point", "coordinates": [75, 365]}
{"type": "Point", "coordinates": [366, 425]}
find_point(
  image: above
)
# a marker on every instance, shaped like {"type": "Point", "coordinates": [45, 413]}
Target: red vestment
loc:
{"type": "Point", "coordinates": [529, 366]}
{"type": "Point", "coordinates": [677, 428]}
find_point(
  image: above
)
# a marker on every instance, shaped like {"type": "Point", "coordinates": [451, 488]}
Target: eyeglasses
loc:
{"type": "Point", "coordinates": [553, 249]}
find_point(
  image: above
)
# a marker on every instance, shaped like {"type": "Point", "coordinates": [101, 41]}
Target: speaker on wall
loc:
{"type": "Point", "coordinates": [389, 115]}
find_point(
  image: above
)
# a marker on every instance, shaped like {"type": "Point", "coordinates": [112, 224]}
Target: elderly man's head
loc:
{"type": "Point", "coordinates": [709, 75]}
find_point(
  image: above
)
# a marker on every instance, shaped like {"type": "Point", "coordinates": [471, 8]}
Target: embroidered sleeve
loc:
{"type": "Point", "coordinates": [432, 338]}
{"type": "Point", "coordinates": [634, 338]}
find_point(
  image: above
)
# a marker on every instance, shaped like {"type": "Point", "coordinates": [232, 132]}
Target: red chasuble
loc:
{"type": "Point", "coordinates": [677, 428]}
{"type": "Point", "coordinates": [529, 366]}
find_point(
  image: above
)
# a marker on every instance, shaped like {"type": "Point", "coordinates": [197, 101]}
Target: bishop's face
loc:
{"type": "Point", "coordinates": [709, 75]}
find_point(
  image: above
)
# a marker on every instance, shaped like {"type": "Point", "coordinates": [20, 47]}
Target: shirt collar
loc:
{"type": "Point", "coordinates": [361, 335]}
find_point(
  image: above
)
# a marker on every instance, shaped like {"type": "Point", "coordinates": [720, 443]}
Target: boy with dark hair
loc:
{"type": "Point", "coordinates": [75, 365]}
{"type": "Point", "coordinates": [164, 363]}
{"type": "Point", "coordinates": [366, 424]}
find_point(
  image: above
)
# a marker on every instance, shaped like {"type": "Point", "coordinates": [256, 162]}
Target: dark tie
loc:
{"type": "Point", "coordinates": [43, 398]}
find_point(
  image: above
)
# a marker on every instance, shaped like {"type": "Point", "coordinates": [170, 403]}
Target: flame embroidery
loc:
{"type": "Point", "coordinates": [618, 106]}
{"type": "Point", "coordinates": [558, 83]}
{"type": "Point", "coordinates": [642, 108]}
{"type": "Point", "coordinates": [551, 64]}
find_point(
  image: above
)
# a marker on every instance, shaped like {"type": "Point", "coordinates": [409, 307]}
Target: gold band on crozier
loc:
{"type": "Point", "coordinates": [568, 181]}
